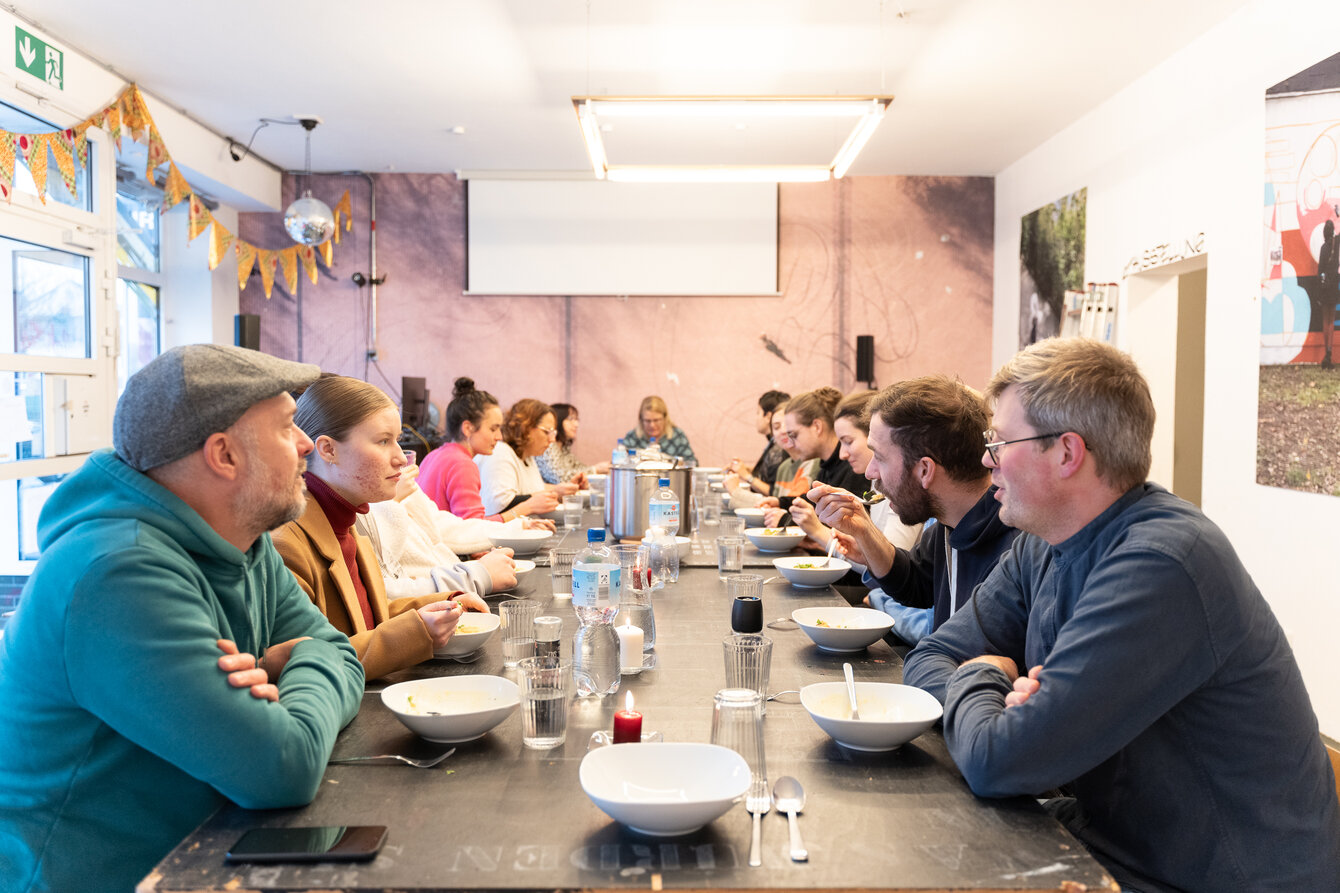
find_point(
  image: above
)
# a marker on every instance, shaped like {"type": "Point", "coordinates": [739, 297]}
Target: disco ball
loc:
{"type": "Point", "coordinates": [309, 220]}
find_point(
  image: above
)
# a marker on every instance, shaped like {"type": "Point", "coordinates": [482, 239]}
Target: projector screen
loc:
{"type": "Point", "coordinates": [591, 237]}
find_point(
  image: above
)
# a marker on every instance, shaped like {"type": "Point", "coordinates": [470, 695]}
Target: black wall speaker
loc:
{"type": "Point", "coordinates": [865, 358]}
{"type": "Point", "coordinates": [247, 331]}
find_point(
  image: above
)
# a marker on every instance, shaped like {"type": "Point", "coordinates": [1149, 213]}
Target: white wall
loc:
{"type": "Point", "coordinates": [1181, 151]}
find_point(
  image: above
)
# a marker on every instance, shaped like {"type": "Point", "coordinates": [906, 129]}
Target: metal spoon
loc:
{"type": "Point", "coordinates": [790, 799]}
{"type": "Point", "coordinates": [851, 690]}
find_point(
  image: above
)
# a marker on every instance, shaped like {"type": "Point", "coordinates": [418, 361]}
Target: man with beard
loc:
{"type": "Point", "coordinates": [926, 445]}
{"type": "Point", "coordinates": [132, 700]}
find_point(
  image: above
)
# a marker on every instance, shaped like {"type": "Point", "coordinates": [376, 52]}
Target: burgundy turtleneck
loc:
{"type": "Point", "coordinates": [341, 514]}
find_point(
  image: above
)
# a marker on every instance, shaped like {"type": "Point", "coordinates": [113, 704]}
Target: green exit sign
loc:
{"type": "Point", "coordinates": [39, 58]}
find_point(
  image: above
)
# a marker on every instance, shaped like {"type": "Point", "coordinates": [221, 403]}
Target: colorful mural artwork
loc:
{"type": "Point", "coordinates": [1298, 431]}
{"type": "Point", "coordinates": [1051, 262]}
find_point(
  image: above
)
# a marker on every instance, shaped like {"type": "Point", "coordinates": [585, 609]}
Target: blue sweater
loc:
{"type": "Point", "coordinates": [1171, 704]}
{"type": "Point", "coordinates": [118, 732]}
{"type": "Point", "coordinates": [920, 578]}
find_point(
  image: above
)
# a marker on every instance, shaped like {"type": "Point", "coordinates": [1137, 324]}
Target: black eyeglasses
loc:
{"type": "Point", "coordinates": [993, 446]}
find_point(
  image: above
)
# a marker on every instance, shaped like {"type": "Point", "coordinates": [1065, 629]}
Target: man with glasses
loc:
{"type": "Point", "coordinates": [1121, 652]}
{"type": "Point", "coordinates": [925, 443]}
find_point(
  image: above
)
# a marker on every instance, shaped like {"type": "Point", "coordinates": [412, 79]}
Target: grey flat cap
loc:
{"type": "Point", "coordinates": [172, 405]}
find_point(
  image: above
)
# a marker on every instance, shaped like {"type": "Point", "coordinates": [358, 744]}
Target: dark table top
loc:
{"type": "Point", "coordinates": [498, 816]}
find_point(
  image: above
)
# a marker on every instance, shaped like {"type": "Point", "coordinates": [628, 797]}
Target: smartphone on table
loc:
{"type": "Point", "coordinates": [331, 843]}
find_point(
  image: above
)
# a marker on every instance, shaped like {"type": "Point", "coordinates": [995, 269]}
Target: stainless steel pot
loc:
{"type": "Point", "coordinates": [628, 493]}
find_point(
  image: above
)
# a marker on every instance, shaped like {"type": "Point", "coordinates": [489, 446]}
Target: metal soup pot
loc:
{"type": "Point", "coordinates": [628, 493]}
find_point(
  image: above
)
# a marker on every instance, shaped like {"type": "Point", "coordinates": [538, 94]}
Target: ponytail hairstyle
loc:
{"type": "Point", "coordinates": [522, 418]}
{"type": "Point", "coordinates": [467, 405]}
{"type": "Point", "coordinates": [817, 404]}
{"type": "Point", "coordinates": [854, 408]}
{"type": "Point", "coordinates": [333, 405]}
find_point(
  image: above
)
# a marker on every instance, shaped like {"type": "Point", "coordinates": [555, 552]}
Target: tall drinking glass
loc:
{"type": "Point", "coordinates": [749, 663]}
{"type": "Point", "coordinates": [517, 630]}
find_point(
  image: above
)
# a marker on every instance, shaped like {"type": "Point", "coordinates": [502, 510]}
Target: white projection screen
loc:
{"type": "Point", "coordinates": [589, 237]}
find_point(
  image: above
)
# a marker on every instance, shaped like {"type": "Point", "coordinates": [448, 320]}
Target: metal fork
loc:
{"type": "Point", "coordinates": [419, 764]}
{"type": "Point", "coordinates": [757, 803]}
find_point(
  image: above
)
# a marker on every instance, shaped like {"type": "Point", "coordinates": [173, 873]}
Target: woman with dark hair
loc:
{"type": "Point", "coordinates": [509, 475]}
{"type": "Point", "coordinates": [653, 424]}
{"type": "Point", "coordinates": [449, 474]}
{"type": "Point", "coordinates": [356, 460]}
{"type": "Point", "coordinates": [557, 463]}
{"type": "Point", "coordinates": [760, 478]}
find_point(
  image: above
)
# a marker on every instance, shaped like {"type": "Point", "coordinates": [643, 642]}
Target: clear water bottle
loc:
{"type": "Point", "coordinates": [619, 457]}
{"type": "Point", "coordinates": [652, 453]}
{"type": "Point", "coordinates": [595, 599]}
{"type": "Point", "coordinates": [664, 550]}
{"type": "Point", "coordinates": [663, 508]}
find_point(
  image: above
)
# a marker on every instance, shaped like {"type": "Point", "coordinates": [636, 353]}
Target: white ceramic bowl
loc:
{"type": "Point", "coordinates": [664, 789]}
{"type": "Point", "coordinates": [521, 542]}
{"type": "Point", "coordinates": [684, 544]}
{"type": "Point", "coordinates": [811, 577]}
{"type": "Point", "coordinates": [891, 715]}
{"type": "Point", "coordinates": [844, 629]}
{"type": "Point", "coordinates": [785, 541]}
{"type": "Point", "coordinates": [468, 706]}
{"type": "Point", "coordinates": [752, 517]}
{"type": "Point", "coordinates": [472, 631]}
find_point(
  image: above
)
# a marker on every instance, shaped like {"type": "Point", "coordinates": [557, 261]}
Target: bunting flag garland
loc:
{"type": "Point", "coordinates": [128, 114]}
{"type": "Point", "coordinates": [343, 207]}
{"type": "Point", "coordinates": [220, 240]}
{"type": "Point", "coordinates": [246, 260]}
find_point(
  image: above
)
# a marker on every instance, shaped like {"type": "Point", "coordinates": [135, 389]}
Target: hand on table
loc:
{"type": "Point", "coordinates": [539, 503]}
{"type": "Point", "coordinates": [538, 524]}
{"type": "Point", "coordinates": [501, 568]}
{"type": "Point", "coordinates": [769, 502]}
{"type": "Point", "coordinates": [441, 619]}
{"type": "Point", "coordinates": [579, 481]}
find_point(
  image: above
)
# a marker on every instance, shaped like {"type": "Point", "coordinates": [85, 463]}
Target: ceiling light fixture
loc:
{"type": "Point", "coordinates": [867, 111]}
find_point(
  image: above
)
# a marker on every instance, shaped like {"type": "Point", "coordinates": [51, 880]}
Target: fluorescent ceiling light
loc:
{"type": "Point", "coordinates": [867, 110]}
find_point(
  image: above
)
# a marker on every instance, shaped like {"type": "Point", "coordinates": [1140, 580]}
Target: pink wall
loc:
{"type": "Point", "coordinates": [906, 259]}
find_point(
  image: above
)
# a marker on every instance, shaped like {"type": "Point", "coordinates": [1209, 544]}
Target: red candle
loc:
{"type": "Point", "coordinates": [628, 724]}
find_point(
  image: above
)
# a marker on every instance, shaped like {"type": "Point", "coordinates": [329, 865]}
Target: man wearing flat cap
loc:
{"type": "Point", "coordinates": [162, 659]}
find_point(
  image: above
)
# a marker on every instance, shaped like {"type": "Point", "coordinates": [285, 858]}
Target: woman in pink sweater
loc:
{"type": "Point", "coordinates": [449, 475]}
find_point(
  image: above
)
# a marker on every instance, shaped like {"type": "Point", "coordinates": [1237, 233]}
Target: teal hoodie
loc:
{"type": "Point", "coordinates": [118, 732]}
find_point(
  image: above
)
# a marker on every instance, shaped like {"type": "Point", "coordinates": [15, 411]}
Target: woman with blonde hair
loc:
{"type": "Point", "coordinates": [653, 424]}
{"type": "Point", "coordinates": [355, 461]}
{"type": "Point", "coordinates": [510, 476]}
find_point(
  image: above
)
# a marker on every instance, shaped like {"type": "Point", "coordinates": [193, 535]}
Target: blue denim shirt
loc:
{"type": "Point", "coordinates": [1171, 703]}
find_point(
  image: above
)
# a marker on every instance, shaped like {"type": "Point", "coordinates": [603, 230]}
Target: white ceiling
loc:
{"type": "Point", "coordinates": [977, 83]}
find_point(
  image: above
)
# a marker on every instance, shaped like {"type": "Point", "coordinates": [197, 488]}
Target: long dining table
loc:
{"type": "Point", "coordinates": [497, 816]}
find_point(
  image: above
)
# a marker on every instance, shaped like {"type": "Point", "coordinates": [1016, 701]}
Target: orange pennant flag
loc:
{"type": "Point", "coordinates": [112, 123]}
{"type": "Point", "coordinates": [61, 150]}
{"type": "Point", "coordinates": [220, 240]}
{"type": "Point", "coordinates": [35, 150]}
{"type": "Point", "coordinates": [175, 189]}
{"type": "Point", "coordinates": [246, 260]}
{"type": "Point", "coordinates": [266, 259]}
{"type": "Point", "coordinates": [199, 218]}
{"type": "Point", "coordinates": [132, 113]}
{"type": "Point", "coordinates": [308, 258]}
{"type": "Point", "coordinates": [327, 254]}
{"type": "Point", "coordinates": [343, 207]}
{"type": "Point", "coordinates": [288, 262]}
{"type": "Point", "coordinates": [7, 166]}
{"type": "Point", "coordinates": [81, 143]}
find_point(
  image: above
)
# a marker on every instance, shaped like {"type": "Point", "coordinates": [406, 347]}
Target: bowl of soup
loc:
{"type": "Point", "coordinates": [452, 709]}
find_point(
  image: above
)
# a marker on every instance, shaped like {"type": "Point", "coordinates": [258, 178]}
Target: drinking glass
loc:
{"type": "Point", "coordinates": [748, 663]}
{"type": "Point", "coordinates": [572, 511]}
{"type": "Point", "coordinates": [635, 606]}
{"type": "Point", "coordinates": [732, 525]}
{"type": "Point", "coordinates": [560, 567]}
{"type": "Point", "coordinates": [730, 556]}
{"type": "Point", "coordinates": [737, 723]}
{"type": "Point", "coordinates": [544, 701]}
{"type": "Point", "coordinates": [746, 591]}
{"type": "Point", "coordinates": [518, 630]}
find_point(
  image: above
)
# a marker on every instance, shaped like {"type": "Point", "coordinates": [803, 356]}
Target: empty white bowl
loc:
{"type": "Point", "coordinates": [521, 542]}
{"type": "Point", "coordinates": [796, 571]}
{"type": "Point", "coordinates": [664, 789]}
{"type": "Point", "coordinates": [844, 629]}
{"type": "Point", "coordinates": [452, 709]}
{"type": "Point", "coordinates": [782, 539]}
{"type": "Point", "coordinates": [472, 631]}
{"type": "Point", "coordinates": [752, 517]}
{"type": "Point", "coordinates": [891, 714]}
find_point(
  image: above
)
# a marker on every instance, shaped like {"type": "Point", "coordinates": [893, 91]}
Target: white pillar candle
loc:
{"type": "Point", "coordinates": [630, 647]}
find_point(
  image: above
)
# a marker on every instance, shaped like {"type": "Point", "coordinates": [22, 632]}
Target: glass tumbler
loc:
{"type": "Point", "coordinates": [737, 723]}
{"type": "Point", "coordinates": [730, 556]}
{"type": "Point", "coordinates": [748, 663]}
{"type": "Point", "coordinates": [517, 630]}
{"type": "Point", "coordinates": [544, 701]}
{"type": "Point", "coordinates": [560, 569]}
